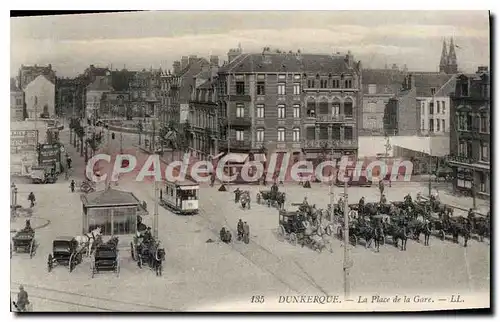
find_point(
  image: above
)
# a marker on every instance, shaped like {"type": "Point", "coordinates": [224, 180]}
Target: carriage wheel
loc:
{"type": "Point", "coordinates": [329, 230]}
{"type": "Point", "coordinates": [281, 233]}
{"type": "Point", "coordinates": [50, 263]}
{"type": "Point", "coordinates": [132, 251]}
{"type": "Point", "coordinates": [32, 248]}
{"type": "Point", "coordinates": [293, 239]}
{"type": "Point", "coordinates": [442, 234]}
{"type": "Point", "coordinates": [71, 262]}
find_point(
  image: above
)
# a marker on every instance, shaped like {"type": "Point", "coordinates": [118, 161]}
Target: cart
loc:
{"type": "Point", "coordinates": [24, 241]}
{"type": "Point", "coordinates": [106, 258]}
{"type": "Point", "coordinates": [65, 251]}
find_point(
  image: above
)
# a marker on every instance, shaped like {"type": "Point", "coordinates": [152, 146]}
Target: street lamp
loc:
{"type": "Point", "coordinates": [12, 200]}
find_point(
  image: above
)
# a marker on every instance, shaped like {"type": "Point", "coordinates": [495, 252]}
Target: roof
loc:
{"type": "Point", "coordinates": [425, 82]}
{"type": "Point", "coordinates": [109, 197]}
{"type": "Point", "coordinates": [388, 81]}
{"type": "Point", "coordinates": [448, 88]}
{"type": "Point", "coordinates": [287, 62]}
{"type": "Point", "coordinates": [196, 61]}
{"type": "Point", "coordinates": [186, 183]}
{"type": "Point", "coordinates": [64, 238]}
{"type": "Point", "coordinates": [100, 84]}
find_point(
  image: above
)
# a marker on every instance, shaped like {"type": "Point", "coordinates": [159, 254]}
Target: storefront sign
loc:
{"type": "Point", "coordinates": [49, 154]}
{"type": "Point", "coordinates": [22, 141]}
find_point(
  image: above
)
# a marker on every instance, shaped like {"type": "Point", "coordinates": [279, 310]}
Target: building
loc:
{"type": "Point", "coordinates": [401, 113]}
{"type": "Point", "coordinates": [433, 99]}
{"type": "Point", "coordinates": [16, 102]}
{"type": "Point", "coordinates": [448, 63]}
{"type": "Point", "coordinates": [39, 96]}
{"type": "Point", "coordinates": [95, 96]}
{"type": "Point", "coordinates": [169, 96]}
{"type": "Point", "coordinates": [27, 74]}
{"type": "Point", "coordinates": [66, 96]}
{"type": "Point", "coordinates": [470, 148]}
{"type": "Point", "coordinates": [114, 104]}
{"type": "Point", "coordinates": [305, 104]}
{"type": "Point", "coordinates": [203, 112]}
{"type": "Point", "coordinates": [24, 137]}
{"type": "Point", "coordinates": [380, 87]}
{"type": "Point", "coordinates": [145, 87]}
{"type": "Point", "coordinates": [84, 80]}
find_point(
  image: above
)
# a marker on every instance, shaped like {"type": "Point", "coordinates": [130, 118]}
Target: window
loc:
{"type": "Point", "coordinates": [431, 108]}
{"type": "Point", "coordinates": [483, 128]}
{"type": "Point", "coordinates": [485, 151]}
{"type": "Point", "coordinates": [282, 77]}
{"type": "Point", "coordinates": [372, 89]}
{"type": "Point", "coordinates": [462, 148]}
{"type": "Point", "coordinates": [464, 87]}
{"type": "Point", "coordinates": [296, 111]}
{"type": "Point", "coordinates": [348, 109]}
{"type": "Point", "coordinates": [36, 100]}
{"type": "Point", "coordinates": [431, 125]}
{"type": "Point", "coordinates": [240, 110]}
{"type": "Point", "coordinates": [469, 122]}
{"type": "Point", "coordinates": [438, 106]}
{"type": "Point", "coordinates": [443, 107]}
{"type": "Point", "coordinates": [281, 111]}
{"type": "Point", "coordinates": [240, 135]}
{"type": "Point", "coordinates": [281, 134]}
{"type": "Point", "coordinates": [124, 221]}
{"type": "Point", "coordinates": [296, 76]}
{"type": "Point", "coordinates": [462, 122]}
{"type": "Point", "coordinates": [464, 183]}
{"type": "Point", "coordinates": [336, 83]}
{"type": "Point", "coordinates": [348, 83]}
{"type": "Point", "coordinates": [323, 107]}
{"type": "Point", "coordinates": [296, 134]}
{"type": "Point", "coordinates": [482, 181]}
{"type": "Point", "coordinates": [311, 83]}
{"type": "Point", "coordinates": [261, 88]}
{"type": "Point", "coordinates": [443, 126]}
{"type": "Point", "coordinates": [18, 101]}
{"type": "Point", "coordinates": [438, 126]}
{"type": "Point", "coordinates": [348, 133]}
{"type": "Point", "coordinates": [296, 89]}
{"type": "Point", "coordinates": [371, 107]}
{"type": "Point", "coordinates": [260, 135]}
{"type": "Point", "coordinates": [433, 91]}
{"type": "Point", "coordinates": [311, 109]}
{"type": "Point", "coordinates": [100, 218]}
{"type": "Point", "coordinates": [281, 89]}
{"type": "Point", "coordinates": [323, 83]}
{"type": "Point", "coordinates": [260, 111]}
{"type": "Point", "coordinates": [240, 88]}
{"type": "Point", "coordinates": [336, 108]}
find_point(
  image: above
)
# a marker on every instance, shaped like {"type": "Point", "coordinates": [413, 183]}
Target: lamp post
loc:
{"type": "Point", "coordinates": [12, 188]}
{"type": "Point", "coordinates": [15, 198]}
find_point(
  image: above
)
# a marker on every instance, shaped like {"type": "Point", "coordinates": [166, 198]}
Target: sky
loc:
{"type": "Point", "coordinates": [138, 40]}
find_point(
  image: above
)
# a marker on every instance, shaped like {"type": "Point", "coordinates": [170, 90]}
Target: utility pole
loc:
{"type": "Point", "coordinates": [347, 262]}
{"type": "Point", "coordinates": [155, 215]}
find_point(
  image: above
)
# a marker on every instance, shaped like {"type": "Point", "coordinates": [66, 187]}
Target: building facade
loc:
{"type": "Point", "coordinates": [145, 87]}
{"type": "Point", "coordinates": [114, 104]}
{"type": "Point", "coordinates": [16, 102]}
{"type": "Point", "coordinates": [39, 96]}
{"type": "Point", "coordinates": [94, 97]}
{"type": "Point", "coordinates": [66, 96]}
{"type": "Point", "coordinates": [304, 104]}
{"type": "Point", "coordinates": [169, 97]}
{"type": "Point", "coordinates": [27, 74]}
{"type": "Point", "coordinates": [470, 148]}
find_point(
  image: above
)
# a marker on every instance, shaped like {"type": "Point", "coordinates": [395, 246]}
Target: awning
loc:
{"type": "Point", "coordinates": [236, 157]}
{"type": "Point", "coordinates": [260, 157]}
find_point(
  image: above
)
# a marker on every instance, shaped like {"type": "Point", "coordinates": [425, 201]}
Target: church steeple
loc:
{"type": "Point", "coordinates": [443, 63]}
{"type": "Point", "coordinates": [452, 59]}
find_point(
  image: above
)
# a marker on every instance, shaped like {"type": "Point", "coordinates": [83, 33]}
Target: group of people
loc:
{"type": "Point", "coordinates": [243, 230]}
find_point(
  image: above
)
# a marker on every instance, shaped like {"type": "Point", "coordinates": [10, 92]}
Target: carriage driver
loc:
{"type": "Point", "coordinates": [240, 229]}
{"type": "Point", "coordinates": [22, 299]}
{"type": "Point", "coordinates": [237, 194]}
{"type": "Point", "coordinates": [383, 199]}
{"type": "Point", "coordinates": [28, 228]}
{"type": "Point", "coordinates": [361, 205]}
{"type": "Point", "coordinates": [147, 237]}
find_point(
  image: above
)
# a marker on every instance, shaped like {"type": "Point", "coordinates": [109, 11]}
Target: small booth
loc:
{"type": "Point", "coordinates": [113, 210]}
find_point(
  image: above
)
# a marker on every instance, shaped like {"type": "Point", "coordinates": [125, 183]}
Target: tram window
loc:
{"type": "Point", "coordinates": [188, 194]}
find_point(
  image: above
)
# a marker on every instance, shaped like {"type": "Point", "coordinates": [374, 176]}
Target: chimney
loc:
{"type": "Point", "coordinates": [176, 66]}
{"type": "Point", "coordinates": [191, 59]}
{"type": "Point", "coordinates": [214, 61]}
{"type": "Point", "coordinates": [184, 61]}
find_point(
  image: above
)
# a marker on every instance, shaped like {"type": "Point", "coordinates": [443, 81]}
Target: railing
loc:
{"type": "Point", "coordinates": [330, 118]}
{"type": "Point", "coordinates": [330, 143]}
{"type": "Point", "coordinates": [241, 121]}
{"type": "Point", "coordinates": [235, 144]}
{"type": "Point", "coordinates": [240, 97]}
{"type": "Point", "coordinates": [460, 159]}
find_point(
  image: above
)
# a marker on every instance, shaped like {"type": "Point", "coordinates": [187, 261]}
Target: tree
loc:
{"type": "Point", "coordinates": [93, 144]}
{"type": "Point", "coordinates": [80, 132]}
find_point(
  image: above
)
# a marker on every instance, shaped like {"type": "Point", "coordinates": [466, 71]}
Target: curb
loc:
{"type": "Point", "coordinates": [47, 222]}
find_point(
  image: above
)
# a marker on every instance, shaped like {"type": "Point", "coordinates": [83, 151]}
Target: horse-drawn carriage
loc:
{"type": "Point", "coordinates": [271, 197]}
{"type": "Point", "coordinates": [24, 241]}
{"type": "Point", "coordinates": [145, 249]}
{"type": "Point", "coordinates": [66, 251]}
{"type": "Point", "coordinates": [106, 258]}
{"type": "Point", "coordinates": [294, 227]}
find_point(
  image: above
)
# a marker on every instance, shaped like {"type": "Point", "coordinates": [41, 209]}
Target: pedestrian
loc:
{"type": "Point", "coordinates": [246, 233]}
{"type": "Point", "coordinates": [237, 194]}
{"type": "Point", "coordinates": [22, 299]}
{"type": "Point", "coordinates": [240, 229]}
{"type": "Point", "coordinates": [32, 199]}
{"type": "Point", "coordinates": [72, 185]}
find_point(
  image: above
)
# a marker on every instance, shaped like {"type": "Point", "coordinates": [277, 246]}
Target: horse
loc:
{"type": "Point", "coordinates": [88, 240]}
{"type": "Point", "coordinates": [398, 233]}
{"type": "Point", "coordinates": [157, 259]}
{"type": "Point", "coordinates": [427, 232]}
{"type": "Point", "coordinates": [378, 236]}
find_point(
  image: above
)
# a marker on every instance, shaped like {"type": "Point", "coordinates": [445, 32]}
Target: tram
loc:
{"type": "Point", "coordinates": [181, 196]}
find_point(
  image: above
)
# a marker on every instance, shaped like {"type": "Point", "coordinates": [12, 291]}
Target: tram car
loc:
{"type": "Point", "coordinates": [181, 196]}
{"type": "Point", "coordinates": [24, 241]}
{"type": "Point", "coordinates": [65, 251]}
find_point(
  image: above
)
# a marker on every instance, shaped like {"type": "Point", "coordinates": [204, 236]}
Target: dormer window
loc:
{"type": "Point", "coordinates": [464, 89]}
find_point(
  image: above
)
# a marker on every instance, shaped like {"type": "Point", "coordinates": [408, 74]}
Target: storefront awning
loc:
{"type": "Point", "coordinates": [260, 157]}
{"type": "Point", "coordinates": [236, 157]}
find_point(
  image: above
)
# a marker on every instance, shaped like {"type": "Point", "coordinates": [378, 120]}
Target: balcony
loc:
{"type": "Point", "coordinates": [240, 122]}
{"type": "Point", "coordinates": [239, 98]}
{"type": "Point", "coordinates": [459, 159]}
{"type": "Point", "coordinates": [330, 118]}
{"type": "Point", "coordinates": [336, 144]}
{"type": "Point", "coordinates": [235, 144]}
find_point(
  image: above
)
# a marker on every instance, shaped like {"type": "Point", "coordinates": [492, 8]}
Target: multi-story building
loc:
{"type": "Point", "coordinates": [95, 96]}
{"type": "Point", "coordinates": [471, 133]}
{"type": "Point", "coordinates": [290, 102]}
{"type": "Point", "coordinates": [27, 74]}
{"type": "Point", "coordinates": [114, 104]}
{"type": "Point", "coordinates": [169, 96]}
{"type": "Point", "coordinates": [39, 96]}
{"type": "Point", "coordinates": [16, 102]}
{"type": "Point", "coordinates": [145, 89]}
{"type": "Point", "coordinates": [66, 96]}
{"type": "Point", "coordinates": [84, 80]}
{"type": "Point", "coordinates": [203, 111]}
